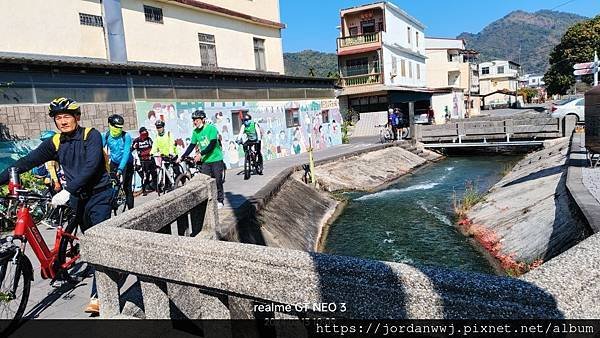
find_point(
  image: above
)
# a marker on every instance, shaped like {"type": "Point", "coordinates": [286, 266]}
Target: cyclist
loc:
{"type": "Point", "coordinates": [253, 137]}
{"type": "Point", "coordinates": [118, 144]}
{"type": "Point", "coordinates": [206, 137]}
{"type": "Point", "coordinates": [143, 145]}
{"type": "Point", "coordinates": [164, 145]}
{"type": "Point", "coordinates": [79, 152]}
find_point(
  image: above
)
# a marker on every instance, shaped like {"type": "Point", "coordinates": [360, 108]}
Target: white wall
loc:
{"type": "Point", "coordinates": [409, 60]}
{"type": "Point", "coordinates": [454, 101]}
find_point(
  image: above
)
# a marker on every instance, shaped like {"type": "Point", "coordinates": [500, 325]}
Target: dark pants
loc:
{"type": "Point", "coordinates": [395, 132]}
{"type": "Point", "coordinates": [256, 145]}
{"type": "Point", "coordinates": [148, 174]}
{"type": "Point", "coordinates": [91, 211]}
{"type": "Point", "coordinates": [215, 170]}
{"type": "Point", "coordinates": [127, 182]}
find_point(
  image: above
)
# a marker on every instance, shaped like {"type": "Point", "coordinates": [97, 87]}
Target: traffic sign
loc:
{"type": "Point", "coordinates": [583, 65]}
{"type": "Point", "coordinates": [584, 71]}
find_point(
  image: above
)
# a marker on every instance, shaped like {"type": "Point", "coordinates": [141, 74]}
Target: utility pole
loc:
{"type": "Point", "coordinates": [596, 66]}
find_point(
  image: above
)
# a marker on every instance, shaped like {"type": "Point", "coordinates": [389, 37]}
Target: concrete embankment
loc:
{"type": "Point", "coordinates": [292, 214]}
{"type": "Point", "coordinates": [528, 217]}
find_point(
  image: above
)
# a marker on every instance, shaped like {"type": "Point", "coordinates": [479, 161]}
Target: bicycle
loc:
{"type": "Point", "coordinates": [16, 270]}
{"type": "Point", "coordinates": [166, 173]}
{"type": "Point", "coordinates": [190, 169]}
{"type": "Point", "coordinates": [251, 162]}
{"type": "Point", "coordinates": [119, 198]}
{"type": "Point", "coordinates": [385, 134]}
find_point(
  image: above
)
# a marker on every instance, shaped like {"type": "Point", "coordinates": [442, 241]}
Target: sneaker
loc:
{"type": "Point", "coordinates": [93, 307]}
{"type": "Point", "coordinates": [220, 205]}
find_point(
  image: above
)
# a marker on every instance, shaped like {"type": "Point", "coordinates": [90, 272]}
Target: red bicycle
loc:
{"type": "Point", "coordinates": [16, 271]}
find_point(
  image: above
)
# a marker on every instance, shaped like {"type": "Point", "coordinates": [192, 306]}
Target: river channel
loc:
{"type": "Point", "coordinates": [412, 220]}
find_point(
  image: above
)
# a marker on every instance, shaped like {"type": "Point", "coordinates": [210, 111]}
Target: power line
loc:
{"type": "Point", "coordinates": [565, 3]}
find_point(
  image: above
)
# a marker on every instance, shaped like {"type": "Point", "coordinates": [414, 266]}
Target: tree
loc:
{"type": "Point", "coordinates": [577, 45]}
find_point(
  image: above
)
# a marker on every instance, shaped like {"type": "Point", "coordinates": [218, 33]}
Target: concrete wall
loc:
{"type": "Point", "coordinates": [51, 27]}
{"type": "Point", "coordinates": [27, 121]}
{"type": "Point", "coordinates": [452, 102]}
{"type": "Point", "coordinates": [176, 41]}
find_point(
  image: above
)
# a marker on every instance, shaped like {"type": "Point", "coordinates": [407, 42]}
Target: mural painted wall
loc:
{"type": "Point", "coordinates": [288, 127]}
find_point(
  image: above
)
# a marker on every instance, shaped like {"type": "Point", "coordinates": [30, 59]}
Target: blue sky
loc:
{"type": "Point", "coordinates": [311, 24]}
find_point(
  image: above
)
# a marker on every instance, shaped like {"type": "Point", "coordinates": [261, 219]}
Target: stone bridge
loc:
{"type": "Point", "coordinates": [168, 248]}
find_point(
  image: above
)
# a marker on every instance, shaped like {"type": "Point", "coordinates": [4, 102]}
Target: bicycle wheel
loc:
{"type": "Point", "coordinates": [405, 133]}
{"type": "Point", "coordinates": [258, 166]}
{"type": "Point", "coordinates": [160, 182]}
{"type": "Point", "coordinates": [68, 250]}
{"type": "Point", "coordinates": [247, 166]}
{"type": "Point", "coordinates": [381, 137]}
{"type": "Point", "coordinates": [15, 284]}
{"type": "Point", "coordinates": [181, 180]}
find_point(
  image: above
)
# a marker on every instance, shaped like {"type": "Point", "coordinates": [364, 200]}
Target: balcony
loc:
{"type": "Point", "coordinates": [359, 43]}
{"type": "Point", "coordinates": [361, 80]}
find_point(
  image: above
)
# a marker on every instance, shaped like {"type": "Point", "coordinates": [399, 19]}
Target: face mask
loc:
{"type": "Point", "coordinates": [144, 135]}
{"type": "Point", "coordinates": [114, 131]}
{"type": "Point", "coordinates": [247, 123]}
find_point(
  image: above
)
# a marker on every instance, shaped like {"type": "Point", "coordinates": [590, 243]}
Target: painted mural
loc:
{"type": "Point", "coordinates": [288, 127]}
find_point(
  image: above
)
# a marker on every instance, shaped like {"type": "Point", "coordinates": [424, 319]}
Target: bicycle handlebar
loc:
{"type": "Point", "coordinates": [25, 195]}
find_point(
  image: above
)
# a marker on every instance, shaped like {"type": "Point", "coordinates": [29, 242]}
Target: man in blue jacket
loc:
{"type": "Point", "coordinates": [118, 143]}
{"type": "Point", "coordinates": [79, 152]}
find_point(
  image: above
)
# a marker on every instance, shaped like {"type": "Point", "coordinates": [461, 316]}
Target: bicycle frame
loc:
{"type": "Point", "coordinates": [27, 231]}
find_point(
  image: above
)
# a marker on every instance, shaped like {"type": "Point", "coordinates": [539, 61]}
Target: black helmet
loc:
{"type": "Point", "coordinates": [116, 120]}
{"type": "Point", "coordinates": [159, 124]}
{"type": "Point", "coordinates": [246, 117]}
{"type": "Point", "coordinates": [198, 114]}
{"type": "Point", "coordinates": [63, 105]}
{"type": "Point", "coordinates": [142, 129]}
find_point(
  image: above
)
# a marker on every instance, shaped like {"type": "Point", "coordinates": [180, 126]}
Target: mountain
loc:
{"type": "Point", "coordinates": [299, 64]}
{"type": "Point", "coordinates": [522, 37]}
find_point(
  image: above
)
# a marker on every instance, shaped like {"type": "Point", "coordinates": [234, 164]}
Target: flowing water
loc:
{"type": "Point", "coordinates": [412, 221]}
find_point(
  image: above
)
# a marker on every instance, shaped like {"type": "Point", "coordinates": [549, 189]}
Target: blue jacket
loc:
{"type": "Point", "coordinates": [82, 161]}
{"type": "Point", "coordinates": [119, 149]}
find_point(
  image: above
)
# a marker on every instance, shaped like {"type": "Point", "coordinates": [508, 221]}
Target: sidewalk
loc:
{"type": "Point", "coordinates": [68, 302]}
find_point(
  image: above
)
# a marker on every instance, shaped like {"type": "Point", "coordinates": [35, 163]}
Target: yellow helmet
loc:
{"type": "Point", "coordinates": [63, 105]}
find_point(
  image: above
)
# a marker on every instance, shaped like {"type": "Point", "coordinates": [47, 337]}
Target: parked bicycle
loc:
{"type": "Point", "coordinates": [16, 270]}
{"type": "Point", "coordinates": [385, 133]}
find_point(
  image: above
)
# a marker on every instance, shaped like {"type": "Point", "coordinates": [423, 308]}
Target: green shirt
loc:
{"type": "Point", "coordinates": [202, 137]}
{"type": "Point", "coordinates": [250, 131]}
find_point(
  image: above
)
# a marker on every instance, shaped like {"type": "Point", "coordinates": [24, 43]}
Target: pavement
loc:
{"type": "Point", "coordinates": [69, 301]}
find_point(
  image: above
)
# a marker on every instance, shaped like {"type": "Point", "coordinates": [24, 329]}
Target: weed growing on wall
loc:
{"type": "Point", "coordinates": [470, 198]}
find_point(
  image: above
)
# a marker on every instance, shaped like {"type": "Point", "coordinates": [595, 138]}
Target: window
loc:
{"type": "Point", "coordinates": [353, 31]}
{"type": "Point", "coordinates": [259, 54]}
{"type": "Point", "coordinates": [394, 65]}
{"type": "Point", "coordinates": [357, 67]}
{"type": "Point", "coordinates": [90, 20]}
{"type": "Point", "coordinates": [380, 26]}
{"type": "Point", "coordinates": [408, 34]}
{"type": "Point", "coordinates": [500, 69]}
{"type": "Point", "coordinates": [325, 116]}
{"type": "Point", "coordinates": [409, 69]}
{"type": "Point", "coordinates": [485, 70]}
{"type": "Point", "coordinates": [403, 68]}
{"type": "Point", "coordinates": [153, 14]}
{"type": "Point", "coordinates": [367, 27]}
{"type": "Point", "coordinates": [417, 38]}
{"type": "Point", "coordinates": [418, 71]}
{"type": "Point", "coordinates": [292, 117]}
{"type": "Point", "coordinates": [236, 120]}
{"type": "Point", "coordinates": [208, 50]}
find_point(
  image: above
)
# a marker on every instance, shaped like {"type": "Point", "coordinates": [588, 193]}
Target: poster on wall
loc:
{"type": "Point", "coordinates": [287, 127]}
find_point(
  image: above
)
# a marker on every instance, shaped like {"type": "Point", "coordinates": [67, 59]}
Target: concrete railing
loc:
{"type": "Point", "coordinates": [358, 40]}
{"type": "Point", "coordinates": [200, 278]}
{"type": "Point", "coordinates": [494, 129]}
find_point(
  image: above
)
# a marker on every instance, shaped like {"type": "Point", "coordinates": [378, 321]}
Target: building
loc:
{"type": "Point", "coordinates": [451, 66]}
{"type": "Point", "coordinates": [150, 60]}
{"type": "Point", "coordinates": [531, 81]}
{"type": "Point", "coordinates": [498, 82]}
{"type": "Point", "coordinates": [216, 33]}
{"type": "Point", "coordinates": [381, 59]}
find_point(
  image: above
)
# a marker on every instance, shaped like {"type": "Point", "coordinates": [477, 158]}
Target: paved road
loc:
{"type": "Point", "coordinates": [69, 301]}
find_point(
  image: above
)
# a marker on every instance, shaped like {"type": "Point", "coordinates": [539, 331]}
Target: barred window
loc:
{"type": "Point", "coordinates": [90, 20]}
{"type": "Point", "coordinates": [208, 50]}
{"type": "Point", "coordinates": [259, 54]}
{"type": "Point", "coordinates": [153, 14]}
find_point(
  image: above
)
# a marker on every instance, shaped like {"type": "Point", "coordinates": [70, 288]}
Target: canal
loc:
{"type": "Point", "coordinates": [412, 221]}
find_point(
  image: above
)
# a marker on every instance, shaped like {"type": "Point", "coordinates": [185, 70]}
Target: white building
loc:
{"type": "Point", "coordinates": [381, 58]}
{"type": "Point", "coordinates": [531, 81]}
{"type": "Point", "coordinates": [498, 82]}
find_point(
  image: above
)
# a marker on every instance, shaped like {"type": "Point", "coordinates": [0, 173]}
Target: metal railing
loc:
{"type": "Point", "coordinates": [361, 80]}
{"type": "Point", "coordinates": [357, 40]}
